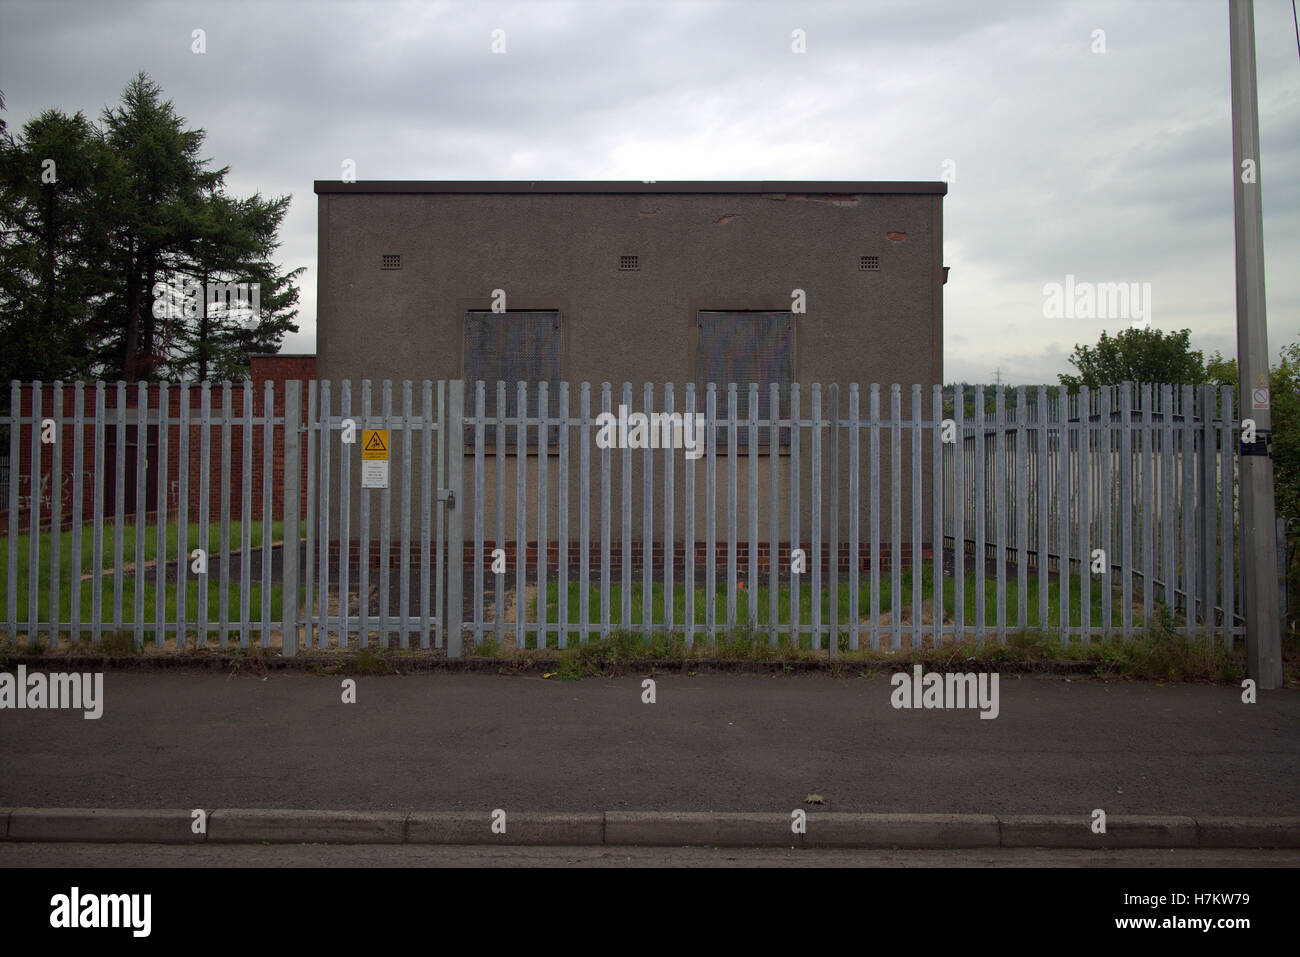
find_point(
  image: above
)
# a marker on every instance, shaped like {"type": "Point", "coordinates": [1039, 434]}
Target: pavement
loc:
{"type": "Point", "coordinates": [716, 760]}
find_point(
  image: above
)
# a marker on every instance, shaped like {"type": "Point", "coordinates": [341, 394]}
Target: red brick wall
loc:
{"type": "Point", "coordinates": [277, 370]}
{"type": "Point", "coordinates": [273, 369]}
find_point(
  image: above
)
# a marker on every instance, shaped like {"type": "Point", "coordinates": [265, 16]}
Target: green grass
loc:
{"type": "Point", "coordinates": [1157, 654]}
{"type": "Point", "coordinates": [149, 575]}
{"type": "Point", "coordinates": [886, 603]}
{"type": "Point", "coordinates": [149, 591]}
{"type": "Point", "coordinates": [1156, 650]}
{"type": "Point", "coordinates": [128, 544]}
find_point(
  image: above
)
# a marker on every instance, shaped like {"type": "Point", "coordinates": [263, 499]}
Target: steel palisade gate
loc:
{"type": "Point", "coordinates": [1105, 504]}
{"type": "Point", "coordinates": [417, 545]}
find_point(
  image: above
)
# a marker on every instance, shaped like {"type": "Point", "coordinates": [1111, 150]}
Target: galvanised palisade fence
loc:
{"type": "Point", "coordinates": [829, 514]}
{"type": "Point", "coordinates": [72, 463]}
{"type": "Point", "coordinates": [1156, 466]}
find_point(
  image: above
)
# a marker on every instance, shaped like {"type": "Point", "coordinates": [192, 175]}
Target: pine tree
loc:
{"type": "Point", "coordinates": [132, 204]}
{"type": "Point", "coordinates": [52, 247]}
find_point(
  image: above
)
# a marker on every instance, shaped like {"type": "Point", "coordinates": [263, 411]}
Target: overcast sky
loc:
{"type": "Point", "coordinates": [1112, 167]}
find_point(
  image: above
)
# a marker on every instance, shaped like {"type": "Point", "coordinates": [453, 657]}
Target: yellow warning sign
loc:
{"type": "Point", "coordinates": [374, 445]}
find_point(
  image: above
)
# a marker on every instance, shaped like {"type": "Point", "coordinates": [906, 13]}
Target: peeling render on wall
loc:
{"type": "Point", "coordinates": [896, 237]}
{"type": "Point", "coordinates": [723, 220]}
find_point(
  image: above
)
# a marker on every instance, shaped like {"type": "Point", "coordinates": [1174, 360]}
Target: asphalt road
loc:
{"type": "Point", "coordinates": [722, 743]}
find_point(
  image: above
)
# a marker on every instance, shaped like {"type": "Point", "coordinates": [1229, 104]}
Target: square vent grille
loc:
{"type": "Point", "coordinates": [390, 261]}
{"type": "Point", "coordinates": [869, 262]}
{"type": "Point", "coordinates": [629, 263]}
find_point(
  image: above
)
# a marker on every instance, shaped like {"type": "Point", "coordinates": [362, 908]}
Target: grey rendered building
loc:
{"type": "Point", "coordinates": [632, 282]}
{"type": "Point", "coordinates": [868, 256]}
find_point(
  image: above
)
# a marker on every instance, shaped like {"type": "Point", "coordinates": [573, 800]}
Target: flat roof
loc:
{"type": "Point", "coordinates": [815, 187]}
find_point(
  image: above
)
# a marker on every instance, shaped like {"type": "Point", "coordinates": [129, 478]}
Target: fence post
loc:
{"type": "Point", "coordinates": [56, 520]}
{"type": "Point", "coordinates": [1209, 534]}
{"type": "Point", "coordinates": [34, 521]}
{"type": "Point", "coordinates": [833, 530]}
{"type": "Point", "coordinates": [455, 525]}
{"type": "Point", "coordinates": [11, 590]}
{"type": "Point", "coordinates": [345, 519]}
{"type": "Point", "coordinates": [292, 511]}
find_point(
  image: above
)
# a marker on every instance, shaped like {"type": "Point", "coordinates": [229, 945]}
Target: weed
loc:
{"type": "Point", "coordinates": [1161, 653]}
{"type": "Point", "coordinates": [368, 662]}
{"type": "Point", "coordinates": [117, 643]}
{"type": "Point", "coordinates": [248, 659]}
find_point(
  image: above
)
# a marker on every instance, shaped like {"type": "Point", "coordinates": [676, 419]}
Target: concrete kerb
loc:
{"type": "Point", "coordinates": [1075, 830]}
{"type": "Point", "coordinates": [668, 828]}
{"type": "Point", "coordinates": [911, 831]}
{"type": "Point", "coordinates": [646, 828]}
{"type": "Point", "coordinates": [1261, 832]}
{"type": "Point", "coordinates": [248, 826]}
{"type": "Point", "coordinates": [101, 826]}
{"type": "Point", "coordinates": [518, 827]}
{"type": "Point", "coordinates": [775, 829]}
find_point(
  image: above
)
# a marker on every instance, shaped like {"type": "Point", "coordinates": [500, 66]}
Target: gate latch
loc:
{"type": "Point", "coordinates": [448, 496]}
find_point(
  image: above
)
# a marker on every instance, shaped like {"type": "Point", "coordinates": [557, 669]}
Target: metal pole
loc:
{"type": "Point", "coordinates": [1259, 550]}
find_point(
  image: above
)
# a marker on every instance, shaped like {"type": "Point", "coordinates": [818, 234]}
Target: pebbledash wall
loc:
{"type": "Point", "coordinates": [276, 369]}
{"type": "Point", "coordinates": [867, 255]}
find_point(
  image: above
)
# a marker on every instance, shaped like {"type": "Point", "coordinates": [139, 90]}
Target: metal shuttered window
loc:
{"type": "Point", "coordinates": [518, 345]}
{"type": "Point", "coordinates": [744, 347]}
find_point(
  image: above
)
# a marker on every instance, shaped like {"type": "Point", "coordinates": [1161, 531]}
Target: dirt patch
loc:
{"type": "Point", "coordinates": [509, 612]}
{"type": "Point", "coordinates": [927, 616]}
{"type": "Point", "coordinates": [151, 564]}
